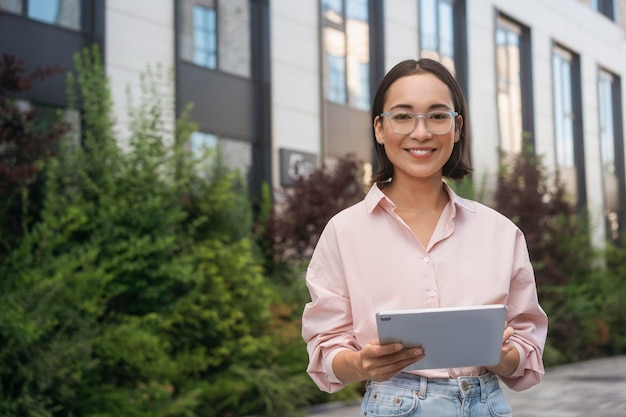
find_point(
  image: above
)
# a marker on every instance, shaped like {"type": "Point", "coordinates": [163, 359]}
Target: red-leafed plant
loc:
{"type": "Point", "coordinates": [24, 146]}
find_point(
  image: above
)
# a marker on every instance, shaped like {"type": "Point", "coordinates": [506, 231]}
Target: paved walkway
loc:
{"type": "Point", "coordinates": [594, 388]}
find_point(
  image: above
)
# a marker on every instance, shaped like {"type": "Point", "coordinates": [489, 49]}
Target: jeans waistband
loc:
{"type": "Point", "coordinates": [466, 386]}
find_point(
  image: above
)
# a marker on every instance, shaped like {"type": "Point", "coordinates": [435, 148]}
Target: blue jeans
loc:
{"type": "Point", "coordinates": [414, 396]}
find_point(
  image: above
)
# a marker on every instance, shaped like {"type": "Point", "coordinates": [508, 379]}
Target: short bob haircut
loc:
{"type": "Point", "coordinates": [458, 166]}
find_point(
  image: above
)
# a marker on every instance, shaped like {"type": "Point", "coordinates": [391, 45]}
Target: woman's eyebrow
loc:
{"type": "Point", "coordinates": [435, 106]}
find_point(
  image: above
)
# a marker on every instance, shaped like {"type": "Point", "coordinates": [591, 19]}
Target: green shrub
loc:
{"type": "Point", "coordinates": [139, 292]}
{"type": "Point", "coordinates": [573, 287]}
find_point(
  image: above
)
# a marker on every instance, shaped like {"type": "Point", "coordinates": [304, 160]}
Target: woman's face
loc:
{"type": "Point", "coordinates": [418, 154]}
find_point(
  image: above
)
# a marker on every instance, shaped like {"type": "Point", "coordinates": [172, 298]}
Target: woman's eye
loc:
{"type": "Point", "coordinates": [439, 116]}
{"type": "Point", "coordinates": [402, 116]}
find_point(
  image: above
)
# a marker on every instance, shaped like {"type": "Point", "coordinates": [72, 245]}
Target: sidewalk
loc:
{"type": "Point", "coordinates": [594, 388]}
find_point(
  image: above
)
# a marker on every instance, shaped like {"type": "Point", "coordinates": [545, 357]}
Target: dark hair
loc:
{"type": "Point", "coordinates": [458, 165]}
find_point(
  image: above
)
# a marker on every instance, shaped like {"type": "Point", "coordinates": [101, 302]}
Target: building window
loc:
{"type": "Point", "coordinates": [513, 86]}
{"type": "Point", "coordinates": [346, 38]}
{"type": "Point", "coordinates": [203, 145]}
{"type": "Point", "coordinates": [568, 122]}
{"type": "Point", "coordinates": [437, 30]}
{"type": "Point", "coordinates": [611, 151]}
{"type": "Point", "coordinates": [12, 6]}
{"type": "Point", "coordinates": [234, 154]}
{"type": "Point", "coordinates": [204, 37]}
{"type": "Point", "coordinates": [64, 13]}
{"type": "Point", "coordinates": [605, 7]}
{"type": "Point", "coordinates": [216, 34]}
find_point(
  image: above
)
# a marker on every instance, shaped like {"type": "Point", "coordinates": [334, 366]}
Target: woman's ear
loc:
{"type": "Point", "coordinates": [378, 130]}
{"type": "Point", "coordinates": [458, 127]}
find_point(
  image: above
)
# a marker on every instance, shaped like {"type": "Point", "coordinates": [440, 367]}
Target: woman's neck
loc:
{"type": "Point", "coordinates": [417, 196]}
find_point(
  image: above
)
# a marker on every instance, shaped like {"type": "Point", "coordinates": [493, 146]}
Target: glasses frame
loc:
{"type": "Point", "coordinates": [453, 115]}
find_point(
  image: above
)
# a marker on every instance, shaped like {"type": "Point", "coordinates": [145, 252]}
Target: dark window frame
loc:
{"type": "Point", "coordinates": [606, 8]}
{"type": "Point", "coordinates": [577, 114]}
{"type": "Point", "coordinates": [87, 18]}
{"type": "Point", "coordinates": [374, 19]}
{"type": "Point", "coordinates": [459, 41]}
{"type": "Point", "coordinates": [526, 76]}
{"type": "Point", "coordinates": [217, 40]}
{"type": "Point", "coordinates": [618, 144]}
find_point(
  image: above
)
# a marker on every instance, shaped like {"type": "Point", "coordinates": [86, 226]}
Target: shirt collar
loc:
{"type": "Point", "coordinates": [376, 197]}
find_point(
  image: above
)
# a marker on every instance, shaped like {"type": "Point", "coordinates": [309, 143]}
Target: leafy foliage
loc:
{"type": "Point", "coordinates": [573, 288]}
{"type": "Point", "coordinates": [304, 210]}
{"type": "Point", "coordinates": [139, 291]}
{"type": "Point", "coordinates": [28, 137]}
{"type": "Point", "coordinates": [287, 233]}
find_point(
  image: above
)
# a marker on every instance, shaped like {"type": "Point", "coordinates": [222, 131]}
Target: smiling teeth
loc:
{"type": "Point", "coordinates": [420, 151]}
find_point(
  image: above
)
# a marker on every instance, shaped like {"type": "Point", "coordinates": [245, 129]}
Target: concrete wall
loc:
{"type": "Point", "coordinates": [295, 82]}
{"type": "Point", "coordinates": [139, 33]}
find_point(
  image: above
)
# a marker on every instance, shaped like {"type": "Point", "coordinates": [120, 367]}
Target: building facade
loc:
{"type": "Point", "coordinates": [282, 86]}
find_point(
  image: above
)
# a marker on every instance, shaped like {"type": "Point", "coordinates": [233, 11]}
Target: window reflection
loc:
{"type": "Point", "coordinates": [508, 71]}
{"type": "Point", "coordinates": [12, 6]}
{"type": "Point", "coordinates": [234, 154]}
{"type": "Point", "coordinates": [607, 88]}
{"type": "Point", "coordinates": [605, 7]}
{"type": "Point", "coordinates": [216, 34]}
{"type": "Point", "coordinates": [346, 52]}
{"type": "Point", "coordinates": [65, 13]}
{"type": "Point", "coordinates": [564, 118]}
{"type": "Point", "coordinates": [204, 37]}
{"type": "Point", "coordinates": [436, 19]}
{"type": "Point", "coordinates": [358, 53]}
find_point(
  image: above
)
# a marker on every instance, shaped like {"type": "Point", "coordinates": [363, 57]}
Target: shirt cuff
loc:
{"type": "Point", "coordinates": [521, 367]}
{"type": "Point", "coordinates": [332, 378]}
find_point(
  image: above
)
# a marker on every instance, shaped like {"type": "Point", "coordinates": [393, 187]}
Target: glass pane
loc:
{"type": "Point", "coordinates": [12, 6]}
{"type": "Point", "coordinates": [508, 70]}
{"type": "Point", "coordinates": [446, 29]}
{"type": "Point", "coordinates": [564, 120]}
{"type": "Point", "coordinates": [332, 11]}
{"type": "Point", "coordinates": [335, 70]}
{"type": "Point", "coordinates": [203, 145]}
{"type": "Point", "coordinates": [204, 37]}
{"type": "Point", "coordinates": [236, 154]}
{"type": "Point", "coordinates": [358, 53]}
{"type": "Point", "coordinates": [610, 179]}
{"type": "Point", "coordinates": [428, 25]}
{"type": "Point", "coordinates": [234, 37]}
{"type": "Point", "coordinates": [446, 35]}
{"type": "Point", "coordinates": [193, 26]}
{"type": "Point", "coordinates": [357, 10]}
{"type": "Point", "coordinates": [607, 129]}
{"type": "Point", "coordinates": [65, 13]}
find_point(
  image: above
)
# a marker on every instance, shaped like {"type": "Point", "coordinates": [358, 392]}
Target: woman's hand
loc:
{"type": "Point", "coordinates": [509, 356]}
{"type": "Point", "coordinates": [375, 361]}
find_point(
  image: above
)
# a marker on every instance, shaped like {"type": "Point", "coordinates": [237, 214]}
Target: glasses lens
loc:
{"type": "Point", "coordinates": [403, 123]}
{"type": "Point", "coordinates": [437, 122]}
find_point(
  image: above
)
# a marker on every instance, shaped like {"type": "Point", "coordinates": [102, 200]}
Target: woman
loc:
{"type": "Point", "coordinates": [413, 243]}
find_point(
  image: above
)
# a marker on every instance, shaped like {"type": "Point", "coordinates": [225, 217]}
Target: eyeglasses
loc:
{"type": "Point", "coordinates": [404, 122]}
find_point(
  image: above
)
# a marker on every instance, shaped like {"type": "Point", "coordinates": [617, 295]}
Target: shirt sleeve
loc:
{"type": "Point", "coordinates": [528, 320]}
{"type": "Point", "coordinates": [327, 325]}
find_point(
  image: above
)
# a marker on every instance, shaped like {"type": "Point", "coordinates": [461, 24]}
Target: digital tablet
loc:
{"type": "Point", "coordinates": [450, 337]}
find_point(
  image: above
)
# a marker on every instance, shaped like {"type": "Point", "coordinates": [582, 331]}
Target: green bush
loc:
{"type": "Point", "coordinates": [139, 292]}
{"type": "Point", "coordinates": [575, 289]}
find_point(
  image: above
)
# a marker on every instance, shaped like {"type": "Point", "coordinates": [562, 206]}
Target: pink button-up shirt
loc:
{"type": "Point", "coordinates": [368, 259]}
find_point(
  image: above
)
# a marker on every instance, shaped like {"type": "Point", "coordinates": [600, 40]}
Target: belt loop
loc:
{"type": "Point", "coordinates": [423, 387]}
{"type": "Point", "coordinates": [483, 388]}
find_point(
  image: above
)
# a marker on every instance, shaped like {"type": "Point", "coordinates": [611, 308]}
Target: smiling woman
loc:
{"type": "Point", "coordinates": [411, 243]}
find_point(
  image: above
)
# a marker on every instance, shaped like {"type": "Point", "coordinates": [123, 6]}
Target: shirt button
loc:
{"type": "Point", "coordinates": [432, 293]}
{"type": "Point", "coordinates": [426, 259]}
